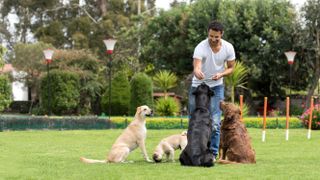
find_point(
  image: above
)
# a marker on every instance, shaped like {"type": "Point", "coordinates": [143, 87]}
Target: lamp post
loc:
{"type": "Point", "coordinates": [290, 57]}
{"type": "Point", "coordinates": [110, 46]}
{"type": "Point", "coordinates": [48, 53]}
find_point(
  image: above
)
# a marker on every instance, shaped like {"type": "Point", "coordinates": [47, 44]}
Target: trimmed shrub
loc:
{"type": "Point", "coordinates": [141, 92]}
{"type": "Point", "coordinates": [64, 92]}
{"type": "Point", "coordinates": [91, 122]}
{"type": "Point", "coordinates": [182, 122]}
{"type": "Point", "coordinates": [52, 122]}
{"type": "Point", "coordinates": [5, 92]}
{"type": "Point", "coordinates": [120, 96]}
{"type": "Point", "coordinates": [167, 107]}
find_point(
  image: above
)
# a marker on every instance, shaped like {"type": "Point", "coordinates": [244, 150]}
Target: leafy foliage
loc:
{"type": "Point", "coordinates": [141, 92]}
{"type": "Point", "coordinates": [64, 90]}
{"type": "Point", "coordinates": [237, 78]}
{"type": "Point", "coordinates": [315, 120]}
{"type": "Point", "coordinates": [2, 52]}
{"type": "Point", "coordinates": [29, 59]}
{"type": "Point", "coordinates": [5, 92]}
{"type": "Point", "coordinates": [167, 107]}
{"type": "Point", "coordinates": [120, 95]}
{"type": "Point", "coordinates": [165, 80]}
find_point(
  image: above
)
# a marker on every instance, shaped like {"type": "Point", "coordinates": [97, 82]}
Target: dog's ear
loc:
{"type": "Point", "coordinates": [184, 133]}
{"type": "Point", "coordinates": [138, 109]}
{"type": "Point", "coordinates": [238, 111]}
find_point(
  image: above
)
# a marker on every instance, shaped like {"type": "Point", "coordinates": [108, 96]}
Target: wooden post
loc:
{"type": "Point", "coordinates": [241, 108]}
{"type": "Point", "coordinates": [310, 119]}
{"type": "Point", "coordinates": [264, 119]}
{"type": "Point", "coordinates": [287, 117]}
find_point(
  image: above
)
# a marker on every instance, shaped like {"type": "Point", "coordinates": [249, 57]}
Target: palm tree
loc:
{"type": "Point", "coordinates": [165, 80]}
{"type": "Point", "coordinates": [237, 79]}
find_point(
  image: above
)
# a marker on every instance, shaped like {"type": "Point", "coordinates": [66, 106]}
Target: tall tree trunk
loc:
{"type": "Point", "coordinates": [316, 77]}
{"type": "Point", "coordinates": [103, 7]}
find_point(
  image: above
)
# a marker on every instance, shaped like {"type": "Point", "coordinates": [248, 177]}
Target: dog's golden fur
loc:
{"type": "Point", "coordinates": [168, 145]}
{"type": "Point", "coordinates": [235, 143]}
{"type": "Point", "coordinates": [132, 137]}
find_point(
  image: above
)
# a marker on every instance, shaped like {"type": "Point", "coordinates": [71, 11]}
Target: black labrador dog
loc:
{"type": "Point", "coordinates": [197, 152]}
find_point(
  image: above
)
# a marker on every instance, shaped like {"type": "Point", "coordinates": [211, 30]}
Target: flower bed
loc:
{"type": "Point", "coordinates": [315, 122]}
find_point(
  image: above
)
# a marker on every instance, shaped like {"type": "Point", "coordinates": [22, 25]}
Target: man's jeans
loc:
{"type": "Point", "coordinates": [215, 112]}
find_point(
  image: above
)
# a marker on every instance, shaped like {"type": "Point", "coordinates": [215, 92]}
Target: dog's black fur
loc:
{"type": "Point", "coordinates": [197, 151]}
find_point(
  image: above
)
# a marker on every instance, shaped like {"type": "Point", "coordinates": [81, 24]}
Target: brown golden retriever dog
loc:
{"type": "Point", "coordinates": [132, 137]}
{"type": "Point", "coordinates": [235, 143]}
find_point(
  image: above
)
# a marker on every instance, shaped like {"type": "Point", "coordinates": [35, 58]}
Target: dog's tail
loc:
{"type": "Point", "coordinates": [92, 161]}
{"type": "Point", "coordinates": [222, 161]}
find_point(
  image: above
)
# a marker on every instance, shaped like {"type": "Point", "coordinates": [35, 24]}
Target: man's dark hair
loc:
{"type": "Point", "coordinates": [215, 26]}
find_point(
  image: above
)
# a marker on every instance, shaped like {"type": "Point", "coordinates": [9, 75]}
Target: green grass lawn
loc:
{"type": "Point", "coordinates": [55, 155]}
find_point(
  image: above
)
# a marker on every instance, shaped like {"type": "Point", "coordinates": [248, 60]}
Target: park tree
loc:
{"type": "Point", "coordinates": [259, 31]}
{"type": "Point", "coordinates": [309, 42]}
{"type": "Point", "coordinates": [5, 92]}
{"type": "Point", "coordinates": [141, 92]}
{"type": "Point", "coordinates": [2, 52]}
{"type": "Point", "coordinates": [90, 71]}
{"type": "Point", "coordinates": [120, 96]}
{"type": "Point", "coordinates": [29, 59]}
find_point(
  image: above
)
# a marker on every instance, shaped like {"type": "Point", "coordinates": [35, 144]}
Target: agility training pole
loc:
{"type": "Point", "coordinates": [241, 106]}
{"type": "Point", "coordinates": [287, 117]}
{"type": "Point", "coordinates": [264, 119]}
{"type": "Point", "coordinates": [310, 119]}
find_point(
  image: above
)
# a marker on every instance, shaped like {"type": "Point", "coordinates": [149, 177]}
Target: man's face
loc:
{"type": "Point", "coordinates": [214, 37]}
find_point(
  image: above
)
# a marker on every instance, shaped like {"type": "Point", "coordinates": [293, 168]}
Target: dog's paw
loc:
{"type": "Point", "coordinates": [149, 160]}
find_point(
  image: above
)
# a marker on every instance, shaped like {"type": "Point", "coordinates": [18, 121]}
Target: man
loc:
{"type": "Point", "coordinates": [209, 59]}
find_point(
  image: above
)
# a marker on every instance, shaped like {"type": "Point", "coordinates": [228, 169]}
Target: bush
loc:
{"type": "Point", "coordinates": [296, 110]}
{"type": "Point", "coordinates": [120, 96]}
{"type": "Point", "coordinates": [167, 107]}
{"type": "Point", "coordinates": [64, 92]}
{"type": "Point", "coordinates": [20, 106]}
{"type": "Point", "coordinates": [245, 109]}
{"type": "Point", "coordinates": [141, 92]}
{"type": "Point", "coordinates": [315, 122]}
{"type": "Point", "coordinates": [5, 92]}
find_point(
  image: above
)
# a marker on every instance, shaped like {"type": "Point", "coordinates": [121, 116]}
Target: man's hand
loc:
{"type": "Point", "coordinates": [217, 76]}
{"type": "Point", "coordinates": [198, 74]}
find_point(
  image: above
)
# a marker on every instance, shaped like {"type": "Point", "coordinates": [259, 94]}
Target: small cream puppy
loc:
{"type": "Point", "coordinates": [168, 145]}
{"type": "Point", "coordinates": [132, 137]}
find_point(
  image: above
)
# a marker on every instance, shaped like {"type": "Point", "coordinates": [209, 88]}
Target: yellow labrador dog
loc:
{"type": "Point", "coordinates": [168, 145]}
{"type": "Point", "coordinates": [132, 137]}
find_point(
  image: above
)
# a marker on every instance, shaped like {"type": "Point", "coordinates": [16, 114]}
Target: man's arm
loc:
{"type": "Point", "coordinates": [227, 71]}
{"type": "Point", "coordinates": [197, 68]}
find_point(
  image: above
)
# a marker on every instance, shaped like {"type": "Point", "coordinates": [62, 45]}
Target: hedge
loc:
{"type": "Point", "coordinates": [52, 122]}
{"type": "Point", "coordinates": [94, 122]}
{"type": "Point", "coordinates": [182, 122]}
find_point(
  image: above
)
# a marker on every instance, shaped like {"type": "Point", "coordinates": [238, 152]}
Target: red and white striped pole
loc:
{"type": "Point", "coordinates": [264, 119]}
{"type": "Point", "coordinates": [310, 119]}
{"type": "Point", "coordinates": [287, 117]}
